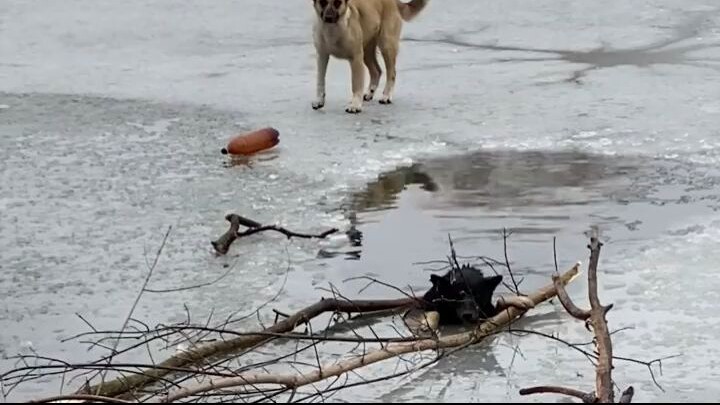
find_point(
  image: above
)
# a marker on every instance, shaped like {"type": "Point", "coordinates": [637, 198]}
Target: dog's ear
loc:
{"type": "Point", "coordinates": [440, 282]}
{"type": "Point", "coordinates": [491, 283]}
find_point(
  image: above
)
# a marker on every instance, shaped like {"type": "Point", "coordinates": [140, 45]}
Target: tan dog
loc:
{"type": "Point", "coordinates": [353, 30]}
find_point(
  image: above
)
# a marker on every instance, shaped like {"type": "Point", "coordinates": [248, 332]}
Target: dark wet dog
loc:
{"type": "Point", "coordinates": [462, 295]}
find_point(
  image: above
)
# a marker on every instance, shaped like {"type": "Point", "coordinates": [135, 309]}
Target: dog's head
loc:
{"type": "Point", "coordinates": [464, 292]}
{"type": "Point", "coordinates": [330, 11]}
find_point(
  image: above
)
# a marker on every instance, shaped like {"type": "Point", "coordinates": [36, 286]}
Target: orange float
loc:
{"type": "Point", "coordinates": [252, 142]}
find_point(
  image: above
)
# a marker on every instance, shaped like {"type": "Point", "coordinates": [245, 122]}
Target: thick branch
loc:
{"type": "Point", "coordinates": [567, 302]}
{"type": "Point", "coordinates": [388, 351]}
{"type": "Point", "coordinates": [603, 378]}
{"type": "Point", "coordinates": [586, 397]}
{"type": "Point", "coordinates": [123, 385]}
{"type": "Point", "coordinates": [222, 244]}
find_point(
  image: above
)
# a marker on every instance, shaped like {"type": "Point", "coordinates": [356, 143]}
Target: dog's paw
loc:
{"type": "Point", "coordinates": [316, 105]}
{"type": "Point", "coordinates": [519, 302]}
{"type": "Point", "coordinates": [369, 95]}
{"type": "Point", "coordinates": [524, 303]}
{"type": "Point", "coordinates": [385, 100]}
{"type": "Point", "coordinates": [353, 109]}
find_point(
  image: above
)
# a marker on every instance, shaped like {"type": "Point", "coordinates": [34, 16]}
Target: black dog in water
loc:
{"type": "Point", "coordinates": [462, 295]}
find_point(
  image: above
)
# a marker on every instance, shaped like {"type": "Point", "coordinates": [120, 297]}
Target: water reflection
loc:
{"type": "Point", "coordinates": [406, 215]}
{"type": "Point", "coordinates": [381, 194]}
{"type": "Point", "coordinates": [502, 179]}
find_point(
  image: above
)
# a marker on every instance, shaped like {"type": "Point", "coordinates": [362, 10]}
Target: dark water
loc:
{"type": "Point", "coordinates": [407, 215]}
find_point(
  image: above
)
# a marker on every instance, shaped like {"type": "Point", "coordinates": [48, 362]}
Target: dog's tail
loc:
{"type": "Point", "coordinates": [410, 10]}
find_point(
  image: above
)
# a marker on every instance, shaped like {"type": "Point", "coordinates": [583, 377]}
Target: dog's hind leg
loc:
{"type": "Point", "coordinates": [374, 68]}
{"type": "Point", "coordinates": [322, 64]}
{"type": "Point", "coordinates": [389, 49]}
{"type": "Point", "coordinates": [357, 69]}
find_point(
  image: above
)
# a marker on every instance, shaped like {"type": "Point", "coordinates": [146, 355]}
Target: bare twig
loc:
{"type": "Point", "coordinates": [192, 287]}
{"type": "Point", "coordinates": [490, 264]}
{"type": "Point", "coordinates": [453, 254]}
{"type": "Point", "coordinates": [506, 235]}
{"type": "Point", "coordinates": [555, 254]}
{"type": "Point", "coordinates": [151, 270]}
{"type": "Point", "coordinates": [86, 321]}
{"type": "Point", "coordinates": [373, 280]}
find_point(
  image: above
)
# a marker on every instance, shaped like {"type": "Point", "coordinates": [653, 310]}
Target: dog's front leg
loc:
{"type": "Point", "coordinates": [357, 67]}
{"type": "Point", "coordinates": [322, 64]}
{"type": "Point", "coordinates": [519, 302]}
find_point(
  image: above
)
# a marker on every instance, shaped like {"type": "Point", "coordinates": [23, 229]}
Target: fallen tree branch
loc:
{"type": "Point", "coordinates": [289, 234]}
{"type": "Point", "coordinates": [293, 381]}
{"type": "Point", "coordinates": [123, 385]}
{"type": "Point", "coordinates": [604, 390]}
{"type": "Point", "coordinates": [222, 244]}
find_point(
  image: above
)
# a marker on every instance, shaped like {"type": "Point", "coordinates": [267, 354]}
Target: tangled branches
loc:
{"type": "Point", "coordinates": [595, 320]}
{"type": "Point", "coordinates": [309, 355]}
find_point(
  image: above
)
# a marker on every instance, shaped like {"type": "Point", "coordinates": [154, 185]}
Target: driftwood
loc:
{"type": "Point", "coordinates": [222, 244]}
{"type": "Point", "coordinates": [595, 317]}
{"type": "Point", "coordinates": [294, 381]}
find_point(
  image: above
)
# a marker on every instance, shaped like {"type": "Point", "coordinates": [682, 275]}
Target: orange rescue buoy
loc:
{"type": "Point", "coordinates": [252, 142]}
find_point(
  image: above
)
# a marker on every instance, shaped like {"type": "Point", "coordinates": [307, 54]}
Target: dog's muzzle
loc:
{"type": "Point", "coordinates": [331, 16]}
